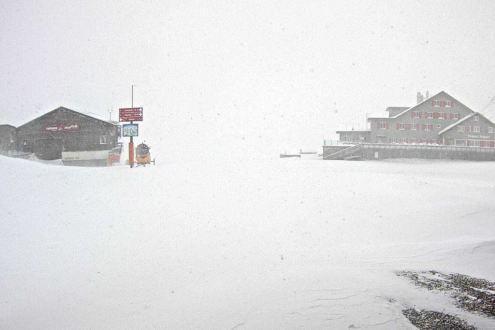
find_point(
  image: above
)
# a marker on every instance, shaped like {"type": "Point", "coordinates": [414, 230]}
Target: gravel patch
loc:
{"type": "Point", "coordinates": [431, 320]}
{"type": "Point", "coordinates": [471, 294]}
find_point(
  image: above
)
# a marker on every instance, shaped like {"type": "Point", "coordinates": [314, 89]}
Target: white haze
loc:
{"type": "Point", "coordinates": [251, 77]}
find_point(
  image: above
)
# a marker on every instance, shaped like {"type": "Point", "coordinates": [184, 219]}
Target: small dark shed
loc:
{"type": "Point", "coordinates": [65, 130]}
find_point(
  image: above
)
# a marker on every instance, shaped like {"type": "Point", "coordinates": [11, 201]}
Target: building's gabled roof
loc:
{"type": "Point", "coordinates": [456, 123]}
{"type": "Point", "coordinates": [66, 110]}
{"type": "Point", "coordinates": [448, 128]}
{"type": "Point", "coordinates": [396, 108]}
{"type": "Point", "coordinates": [428, 99]}
{"type": "Point", "coordinates": [354, 131]}
{"type": "Point", "coordinates": [406, 110]}
{"type": "Point", "coordinates": [7, 125]}
{"type": "Point", "coordinates": [378, 117]}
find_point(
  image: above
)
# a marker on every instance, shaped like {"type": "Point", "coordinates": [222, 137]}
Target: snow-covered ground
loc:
{"type": "Point", "coordinates": [272, 244]}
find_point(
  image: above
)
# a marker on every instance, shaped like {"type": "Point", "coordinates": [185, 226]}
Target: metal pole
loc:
{"type": "Point", "coordinates": [131, 142]}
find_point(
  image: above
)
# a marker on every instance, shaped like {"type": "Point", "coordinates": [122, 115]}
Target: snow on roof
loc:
{"type": "Point", "coordinates": [354, 131]}
{"type": "Point", "coordinates": [61, 108]}
{"type": "Point", "coordinates": [396, 108]}
{"type": "Point", "coordinates": [463, 120]}
{"type": "Point", "coordinates": [377, 117]}
{"type": "Point", "coordinates": [417, 105]}
{"type": "Point", "coordinates": [456, 123]}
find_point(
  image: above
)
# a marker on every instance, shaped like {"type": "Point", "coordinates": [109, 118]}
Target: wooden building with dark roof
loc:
{"type": "Point", "coordinates": [64, 129]}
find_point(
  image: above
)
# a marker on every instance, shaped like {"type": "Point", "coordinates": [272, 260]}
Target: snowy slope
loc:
{"type": "Point", "coordinates": [275, 244]}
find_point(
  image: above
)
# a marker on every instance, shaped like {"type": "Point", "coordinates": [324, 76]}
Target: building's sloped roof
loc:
{"type": "Point", "coordinates": [354, 131]}
{"type": "Point", "coordinates": [406, 110]}
{"type": "Point", "coordinates": [378, 117]}
{"type": "Point", "coordinates": [456, 123]}
{"type": "Point", "coordinates": [463, 120]}
{"type": "Point", "coordinates": [396, 108]}
{"type": "Point", "coordinates": [66, 110]}
{"type": "Point", "coordinates": [428, 99]}
{"type": "Point", "coordinates": [6, 125]}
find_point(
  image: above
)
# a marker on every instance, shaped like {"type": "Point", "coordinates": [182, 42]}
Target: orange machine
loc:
{"type": "Point", "coordinates": [143, 156]}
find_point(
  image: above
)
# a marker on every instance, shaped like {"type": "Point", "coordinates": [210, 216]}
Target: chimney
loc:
{"type": "Point", "coordinates": [419, 98]}
{"type": "Point", "coordinates": [427, 95]}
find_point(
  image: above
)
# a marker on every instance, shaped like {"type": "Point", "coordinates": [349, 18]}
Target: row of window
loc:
{"type": "Point", "coordinates": [471, 129]}
{"type": "Point", "coordinates": [442, 104]}
{"type": "Point", "coordinates": [461, 143]}
{"type": "Point", "coordinates": [429, 127]}
{"type": "Point", "coordinates": [476, 143]}
{"type": "Point", "coordinates": [434, 115]}
{"type": "Point", "coordinates": [409, 127]}
{"type": "Point", "coordinates": [412, 140]}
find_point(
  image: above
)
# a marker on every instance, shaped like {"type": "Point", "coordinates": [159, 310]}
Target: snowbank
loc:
{"type": "Point", "coordinates": [257, 245]}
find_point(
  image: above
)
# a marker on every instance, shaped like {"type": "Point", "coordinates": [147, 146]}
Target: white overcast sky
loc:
{"type": "Point", "coordinates": [261, 75]}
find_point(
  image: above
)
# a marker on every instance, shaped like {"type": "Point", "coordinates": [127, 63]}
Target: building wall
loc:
{"type": "Point", "coordinates": [377, 151]}
{"type": "Point", "coordinates": [65, 130]}
{"type": "Point", "coordinates": [420, 124]}
{"type": "Point", "coordinates": [476, 131]}
{"type": "Point", "coordinates": [354, 136]}
{"type": "Point", "coordinates": [7, 139]}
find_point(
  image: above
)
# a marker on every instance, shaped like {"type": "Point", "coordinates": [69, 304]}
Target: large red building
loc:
{"type": "Point", "coordinates": [440, 120]}
{"type": "Point", "coordinates": [439, 126]}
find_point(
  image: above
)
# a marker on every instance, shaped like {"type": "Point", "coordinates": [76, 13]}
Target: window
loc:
{"type": "Point", "coordinates": [103, 139]}
{"type": "Point", "coordinates": [442, 104]}
{"type": "Point", "coordinates": [473, 143]}
{"type": "Point", "coordinates": [476, 118]}
{"type": "Point", "coordinates": [382, 125]}
{"type": "Point", "coordinates": [429, 115]}
{"type": "Point", "coordinates": [476, 129]}
{"type": "Point", "coordinates": [441, 115]}
{"type": "Point", "coordinates": [490, 130]}
{"type": "Point", "coordinates": [428, 127]}
{"type": "Point", "coordinates": [456, 116]}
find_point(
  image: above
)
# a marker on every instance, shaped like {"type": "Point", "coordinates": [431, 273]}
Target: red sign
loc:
{"type": "Point", "coordinates": [62, 128]}
{"type": "Point", "coordinates": [131, 114]}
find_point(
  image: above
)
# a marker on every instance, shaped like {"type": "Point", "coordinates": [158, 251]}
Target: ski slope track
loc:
{"type": "Point", "coordinates": [271, 244]}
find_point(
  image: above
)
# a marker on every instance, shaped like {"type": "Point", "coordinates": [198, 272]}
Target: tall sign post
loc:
{"type": "Point", "coordinates": [131, 142]}
{"type": "Point", "coordinates": [131, 130]}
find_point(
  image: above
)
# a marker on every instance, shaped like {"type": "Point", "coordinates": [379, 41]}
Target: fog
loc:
{"type": "Point", "coordinates": [221, 233]}
{"type": "Point", "coordinates": [248, 77]}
